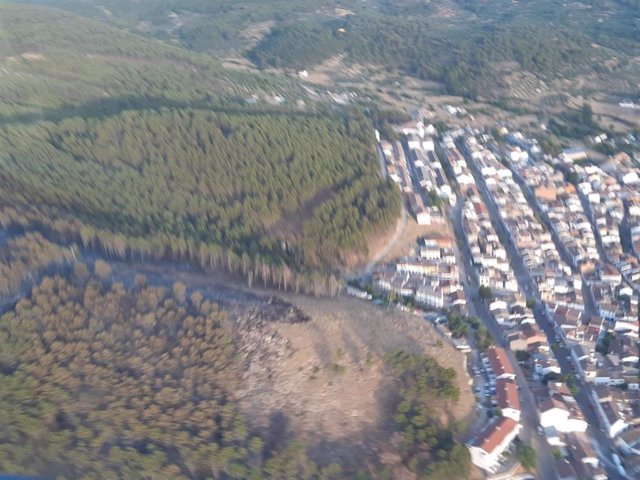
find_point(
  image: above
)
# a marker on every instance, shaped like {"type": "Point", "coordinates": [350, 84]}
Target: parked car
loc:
{"type": "Point", "coordinates": [618, 464]}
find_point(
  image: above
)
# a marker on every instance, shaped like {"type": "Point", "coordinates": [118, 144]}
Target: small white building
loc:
{"type": "Point", "coordinates": [573, 154]}
{"type": "Point", "coordinates": [555, 413]}
{"type": "Point", "coordinates": [487, 449]}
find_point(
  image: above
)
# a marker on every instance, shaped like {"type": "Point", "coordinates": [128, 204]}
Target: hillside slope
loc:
{"type": "Point", "coordinates": [54, 63]}
{"type": "Point", "coordinates": [146, 150]}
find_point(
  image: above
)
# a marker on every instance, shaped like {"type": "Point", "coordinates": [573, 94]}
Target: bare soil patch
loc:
{"type": "Point", "coordinates": [408, 241]}
{"type": "Point", "coordinates": [330, 383]}
{"type": "Point", "coordinates": [256, 32]}
{"type": "Point", "coordinates": [289, 226]}
{"type": "Point", "coordinates": [239, 63]}
{"type": "Point", "coordinates": [33, 56]}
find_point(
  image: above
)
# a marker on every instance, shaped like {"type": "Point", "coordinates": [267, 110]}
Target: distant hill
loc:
{"type": "Point", "coordinates": [52, 60]}
{"type": "Point", "coordinates": [464, 44]}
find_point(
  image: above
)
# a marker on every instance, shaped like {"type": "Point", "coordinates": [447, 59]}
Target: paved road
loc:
{"type": "Point", "coordinates": [479, 308]}
{"type": "Point", "coordinates": [604, 444]}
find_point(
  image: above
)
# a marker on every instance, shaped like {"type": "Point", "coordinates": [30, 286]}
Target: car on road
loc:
{"type": "Point", "coordinates": [618, 464]}
{"type": "Point", "coordinates": [540, 430]}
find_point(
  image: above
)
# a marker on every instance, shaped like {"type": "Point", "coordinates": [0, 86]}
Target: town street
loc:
{"type": "Point", "coordinates": [528, 285]}
{"type": "Point", "coordinates": [478, 308]}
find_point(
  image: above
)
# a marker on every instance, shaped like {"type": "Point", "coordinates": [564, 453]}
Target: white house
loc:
{"type": "Point", "coordinates": [487, 449]}
{"type": "Point", "coordinates": [430, 297]}
{"type": "Point", "coordinates": [556, 413]}
{"type": "Point", "coordinates": [465, 179]}
{"type": "Point", "coordinates": [612, 422]}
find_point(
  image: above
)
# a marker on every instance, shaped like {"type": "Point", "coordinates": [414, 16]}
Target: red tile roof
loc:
{"type": "Point", "coordinates": [494, 434]}
{"type": "Point", "coordinates": [500, 364]}
{"type": "Point", "coordinates": [507, 394]}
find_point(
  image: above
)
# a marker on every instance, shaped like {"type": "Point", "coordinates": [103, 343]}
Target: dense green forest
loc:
{"type": "Point", "coordinates": [280, 192]}
{"type": "Point", "coordinates": [115, 141]}
{"type": "Point", "coordinates": [463, 66]}
{"type": "Point", "coordinates": [97, 381]}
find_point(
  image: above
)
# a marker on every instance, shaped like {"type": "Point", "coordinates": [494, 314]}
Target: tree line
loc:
{"type": "Point", "coordinates": [26, 256]}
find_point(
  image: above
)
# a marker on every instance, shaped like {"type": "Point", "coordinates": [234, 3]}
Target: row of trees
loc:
{"type": "Point", "coordinates": [463, 325]}
{"type": "Point", "coordinates": [273, 196]}
{"type": "Point", "coordinates": [25, 256]}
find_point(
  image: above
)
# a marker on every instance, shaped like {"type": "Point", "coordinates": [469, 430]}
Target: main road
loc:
{"type": "Point", "coordinates": [563, 354]}
{"type": "Point", "coordinates": [477, 307]}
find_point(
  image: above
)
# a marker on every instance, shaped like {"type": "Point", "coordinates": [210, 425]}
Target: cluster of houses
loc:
{"type": "Point", "coordinates": [561, 204]}
{"type": "Point", "coordinates": [633, 209]}
{"type": "Point", "coordinates": [520, 148]}
{"type": "Point", "coordinates": [619, 176]}
{"type": "Point", "coordinates": [565, 429]}
{"type": "Point", "coordinates": [430, 277]}
{"type": "Point", "coordinates": [572, 242]}
{"type": "Point", "coordinates": [396, 165]}
{"type": "Point", "coordinates": [489, 446]}
{"type": "Point", "coordinates": [554, 278]}
{"type": "Point", "coordinates": [561, 420]}
{"type": "Point", "coordinates": [614, 327]}
{"type": "Point", "coordinates": [420, 176]}
{"type": "Point", "coordinates": [559, 284]}
{"type": "Point", "coordinates": [457, 164]}
{"type": "Point", "coordinates": [489, 256]}
{"type": "Point", "coordinates": [604, 196]}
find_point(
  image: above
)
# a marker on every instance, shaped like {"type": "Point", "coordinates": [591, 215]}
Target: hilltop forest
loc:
{"type": "Point", "coordinates": [141, 149]}
{"type": "Point", "coordinates": [219, 188]}
{"type": "Point", "coordinates": [102, 381]}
